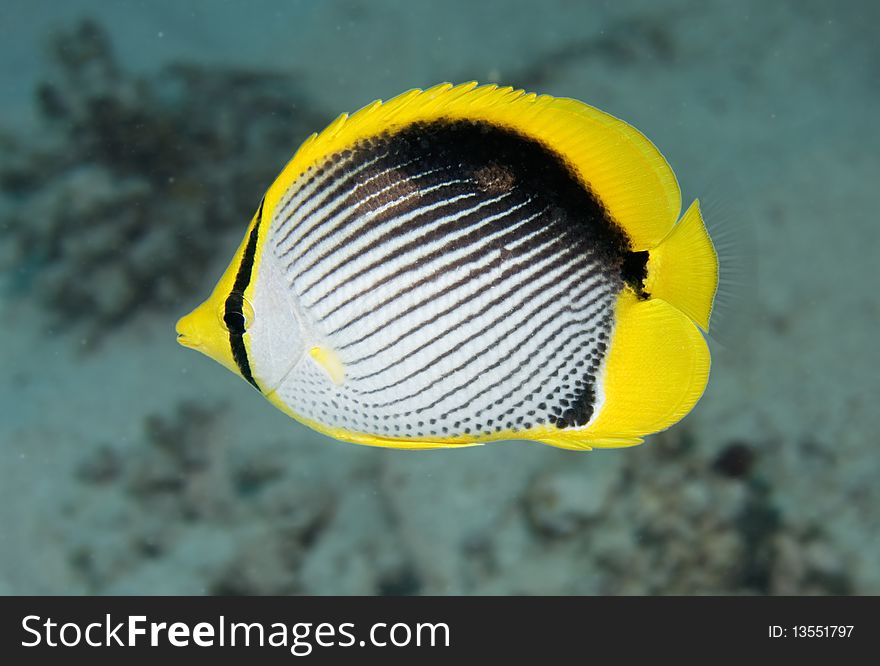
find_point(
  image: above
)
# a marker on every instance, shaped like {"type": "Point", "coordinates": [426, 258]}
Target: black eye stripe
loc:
{"type": "Point", "coordinates": [233, 316]}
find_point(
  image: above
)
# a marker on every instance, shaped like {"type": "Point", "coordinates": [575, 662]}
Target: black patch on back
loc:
{"type": "Point", "coordinates": [233, 315]}
{"type": "Point", "coordinates": [497, 159]}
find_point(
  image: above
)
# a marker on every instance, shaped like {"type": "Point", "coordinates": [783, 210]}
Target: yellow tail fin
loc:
{"type": "Point", "coordinates": [683, 268]}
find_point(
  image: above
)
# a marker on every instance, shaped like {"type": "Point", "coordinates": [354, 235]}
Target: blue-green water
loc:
{"type": "Point", "coordinates": [135, 142]}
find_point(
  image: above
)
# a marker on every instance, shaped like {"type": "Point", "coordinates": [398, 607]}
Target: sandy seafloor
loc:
{"type": "Point", "coordinates": [132, 465]}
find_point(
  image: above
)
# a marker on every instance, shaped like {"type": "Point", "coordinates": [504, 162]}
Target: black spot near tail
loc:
{"type": "Point", "coordinates": [634, 271]}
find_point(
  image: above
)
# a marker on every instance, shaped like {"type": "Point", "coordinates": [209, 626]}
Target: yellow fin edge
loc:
{"type": "Point", "coordinates": [574, 441]}
{"type": "Point", "coordinates": [619, 164]}
{"type": "Point", "coordinates": [366, 439]}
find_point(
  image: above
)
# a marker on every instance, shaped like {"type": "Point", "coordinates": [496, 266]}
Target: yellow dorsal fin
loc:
{"type": "Point", "coordinates": [329, 360]}
{"type": "Point", "coordinates": [683, 269]}
{"type": "Point", "coordinates": [624, 169]}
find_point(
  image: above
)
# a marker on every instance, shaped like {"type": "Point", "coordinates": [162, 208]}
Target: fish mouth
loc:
{"type": "Point", "coordinates": [183, 339]}
{"type": "Point", "coordinates": [186, 342]}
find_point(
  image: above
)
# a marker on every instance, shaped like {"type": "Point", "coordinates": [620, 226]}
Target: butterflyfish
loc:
{"type": "Point", "coordinates": [466, 264]}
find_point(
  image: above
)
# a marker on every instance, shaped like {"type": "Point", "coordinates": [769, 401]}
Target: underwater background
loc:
{"type": "Point", "coordinates": [136, 139]}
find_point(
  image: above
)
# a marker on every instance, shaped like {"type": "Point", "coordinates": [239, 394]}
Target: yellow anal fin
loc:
{"type": "Point", "coordinates": [329, 360]}
{"type": "Point", "coordinates": [656, 371]}
{"type": "Point", "coordinates": [683, 268]}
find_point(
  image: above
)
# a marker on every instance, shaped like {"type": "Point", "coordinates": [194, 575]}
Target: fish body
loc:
{"type": "Point", "coordinates": [466, 264]}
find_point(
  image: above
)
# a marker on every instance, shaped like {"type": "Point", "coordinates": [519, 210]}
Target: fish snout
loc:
{"type": "Point", "coordinates": [187, 332]}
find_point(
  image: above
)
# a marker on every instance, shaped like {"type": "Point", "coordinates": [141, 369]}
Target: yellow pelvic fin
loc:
{"type": "Point", "coordinates": [683, 268]}
{"type": "Point", "coordinates": [329, 360]}
{"type": "Point", "coordinates": [622, 167]}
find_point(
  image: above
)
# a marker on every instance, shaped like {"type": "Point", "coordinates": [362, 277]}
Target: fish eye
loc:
{"type": "Point", "coordinates": [234, 321]}
{"type": "Point", "coordinates": [237, 314]}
